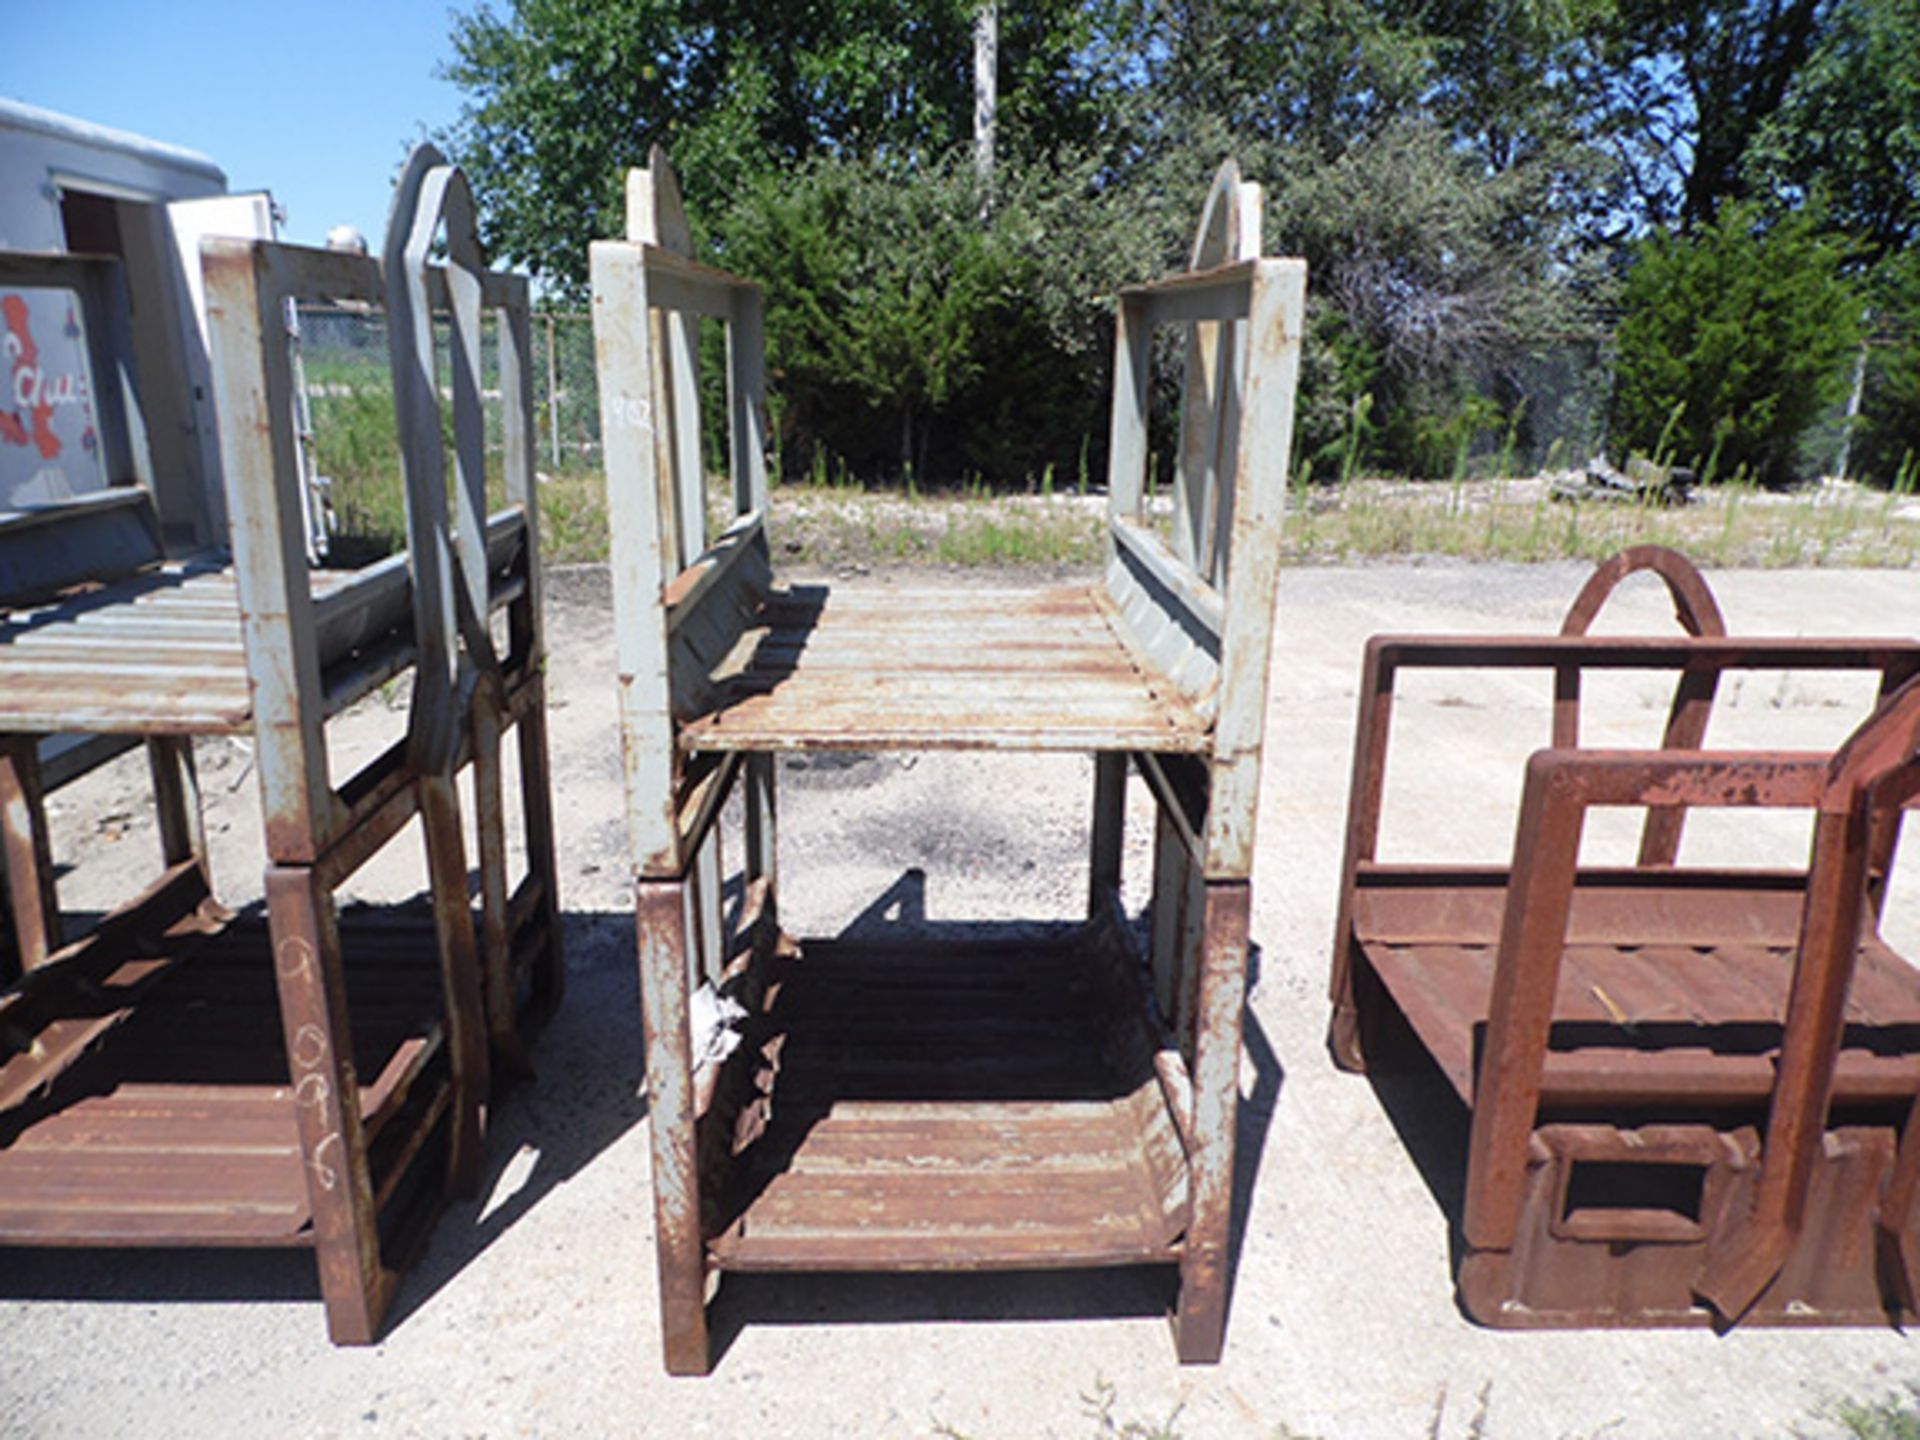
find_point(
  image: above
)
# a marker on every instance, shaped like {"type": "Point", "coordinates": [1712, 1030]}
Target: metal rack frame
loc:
{"type": "Point", "coordinates": [123, 1119]}
{"type": "Point", "coordinates": [1689, 1086]}
{"type": "Point", "coordinates": [1160, 665]}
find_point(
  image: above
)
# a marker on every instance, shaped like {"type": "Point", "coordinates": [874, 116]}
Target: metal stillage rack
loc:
{"type": "Point", "coordinates": [1691, 1088]}
{"type": "Point", "coordinates": [1068, 1102]}
{"type": "Point", "coordinates": [148, 1095]}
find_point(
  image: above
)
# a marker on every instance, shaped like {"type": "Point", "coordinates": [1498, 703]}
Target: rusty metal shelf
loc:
{"type": "Point", "coordinates": [161, 652]}
{"type": "Point", "coordinates": [922, 1105]}
{"type": "Point", "coordinates": [955, 1107]}
{"type": "Point", "coordinates": [1645, 1021]}
{"type": "Point", "coordinates": [931, 668]}
{"type": "Point", "coordinates": [145, 1098]}
{"type": "Point", "coordinates": [1688, 1090]}
{"type": "Point", "coordinates": [177, 1079]}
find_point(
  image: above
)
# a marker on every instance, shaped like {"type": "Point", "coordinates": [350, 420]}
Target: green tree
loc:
{"type": "Point", "coordinates": [565, 96]}
{"type": "Point", "coordinates": [1742, 329]}
{"type": "Point", "coordinates": [1849, 127]}
{"type": "Point", "coordinates": [1430, 161]}
{"type": "Point", "coordinates": [1887, 448]}
{"type": "Point", "coordinates": [1682, 87]}
{"type": "Point", "coordinates": [908, 336]}
{"type": "Point", "coordinates": [1428, 277]}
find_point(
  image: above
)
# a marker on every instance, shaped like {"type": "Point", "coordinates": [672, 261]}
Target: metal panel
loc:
{"type": "Point", "coordinates": [247, 283]}
{"type": "Point", "coordinates": [623, 345]}
{"type": "Point", "coordinates": [240, 217]}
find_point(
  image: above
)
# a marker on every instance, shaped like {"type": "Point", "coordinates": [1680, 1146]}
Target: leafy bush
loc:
{"type": "Point", "coordinates": [909, 334]}
{"type": "Point", "coordinates": [1424, 284]}
{"type": "Point", "coordinates": [1887, 448]}
{"type": "Point", "coordinates": [1743, 332]}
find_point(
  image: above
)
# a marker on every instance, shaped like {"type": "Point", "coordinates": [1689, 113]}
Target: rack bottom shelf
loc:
{"type": "Point", "coordinates": [957, 1107]}
{"type": "Point", "coordinates": [146, 1099]}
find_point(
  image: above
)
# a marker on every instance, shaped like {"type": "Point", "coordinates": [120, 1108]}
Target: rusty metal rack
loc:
{"type": "Point", "coordinates": [302, 1076]}
{"type": "Point", "coordinates": [1057, 1101]}
{"type": "Point", "coordinates": [1691, 1090]}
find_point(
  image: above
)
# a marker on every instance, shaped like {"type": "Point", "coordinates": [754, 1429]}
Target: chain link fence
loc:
{"type": "Point", "coordinates": [1555, 389]}
{"type": "Point", "coordinates": [1555, 392]}
{"type": "Point", "coordinates": [1545, 406]}
{"type": "Point", "coordinates": [344, 354]}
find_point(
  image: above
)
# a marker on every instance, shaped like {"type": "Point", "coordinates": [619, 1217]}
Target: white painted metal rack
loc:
{"type": "Point", "coordinates": [148, 1093]}
{"type": "Point", "coordinates": [1064, 1102]}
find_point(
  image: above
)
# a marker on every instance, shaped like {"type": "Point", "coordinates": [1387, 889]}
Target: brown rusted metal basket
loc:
{"type": "Point", "coordinates": [1688, 1088]}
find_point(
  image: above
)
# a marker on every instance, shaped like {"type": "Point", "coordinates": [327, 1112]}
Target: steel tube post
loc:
{"type": "Point", "coordinates": [459, 978]}
{"type": "Point", "coordinates": [1828, 950]}
{"type": "Point", "coordinates": [536, 794]}
{"type": "Point", "coordinates": [1200, 1325]}
{"type": "Point", "coordinates": [1507, 1089]}
{"type": "Point", "coordinates": [1365, 797]}
{"type": "Point", "coordinates": [313, 1015]}
{"type": "Point", "coordinates": [1109, 827]}
{"type": "Point", "coordinates": [553, 395]}
{"type": "Point", "coordinates": [490, 836]}
{"type": "Point", "coordinates": [176, 798]}
{"type": "Point", "coordinates": [660, 911]}
{"type": "Point", "coordinates": [762, 820]}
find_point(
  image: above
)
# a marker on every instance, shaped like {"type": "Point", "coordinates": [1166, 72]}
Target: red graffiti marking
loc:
{"type": "Point", "coordinates": [27, 384]}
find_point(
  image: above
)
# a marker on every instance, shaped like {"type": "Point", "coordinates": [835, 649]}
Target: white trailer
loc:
{"type": "Point", "coordinates": [95, 465]}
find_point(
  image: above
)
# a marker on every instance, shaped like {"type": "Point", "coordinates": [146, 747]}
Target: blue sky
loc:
{"type": "Point", "coordinates": [316, 102]}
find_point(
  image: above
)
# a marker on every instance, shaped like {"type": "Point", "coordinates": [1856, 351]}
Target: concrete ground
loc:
{"type": "Point", "coordinates": [534, 1310]}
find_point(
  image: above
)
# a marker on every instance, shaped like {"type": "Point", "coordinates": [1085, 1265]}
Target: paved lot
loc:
{"type": "Point", "coordinates": [534, 1310]}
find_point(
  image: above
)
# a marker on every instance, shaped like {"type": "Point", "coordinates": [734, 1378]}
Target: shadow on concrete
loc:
{"type": "Point", "coordinates": [585, 1094]}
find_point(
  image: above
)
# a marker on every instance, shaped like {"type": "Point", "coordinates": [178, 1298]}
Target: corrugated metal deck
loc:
{"type": "Point", "coordinates": [961, 1106]}
{"type": "Point", "coordinates": [914, 667]}
{"type": "Point", "coordinates": [144, 1100]}
{"type": "Point", "coordinates": [1646, 1025]}
{"type": "Point", "coordinates": [160, 652]}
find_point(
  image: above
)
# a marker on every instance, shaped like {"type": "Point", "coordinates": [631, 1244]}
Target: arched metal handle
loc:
{"type": "Point", "coordinates": [1693, 603]}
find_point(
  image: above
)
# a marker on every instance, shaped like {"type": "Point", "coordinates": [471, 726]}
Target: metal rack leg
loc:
{"type": "Point", "coordinates": [176, 798]}
{"type": "Point", "coordinates": [354, 1282]}
{"type": "Point", "coordinates": [762, 829]}
{"type": "Point", "coordinates": [490, 838]}
{"type": "Point", "coordinates": [460, 979]}
{"type": "Point", "coordinates": [660, 910]}
{"type": "Point", "coordinates": [1200, 1324]}
{"type": "Point", "coordinates": [1109, 827]}
{"type": "Point", "coordinates": [29, 858]}
{"type": "Point", "coordinates": [536, 798]}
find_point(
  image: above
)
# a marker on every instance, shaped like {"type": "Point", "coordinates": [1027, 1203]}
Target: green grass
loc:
{"type": "Point", "coordinates": [833, 524]}
{"type": "Point", "coordinates": [1517, 520]}
{"type": "Point", "coordinates": [1896, 1418]}
{"type": "Point", "coordinates": [968, 530]}
{"type": "Point", "coordinates": [354, 447]}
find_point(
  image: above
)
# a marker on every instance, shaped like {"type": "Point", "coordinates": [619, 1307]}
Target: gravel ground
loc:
{"type": "Point", "coordinates": [533, 1311]}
